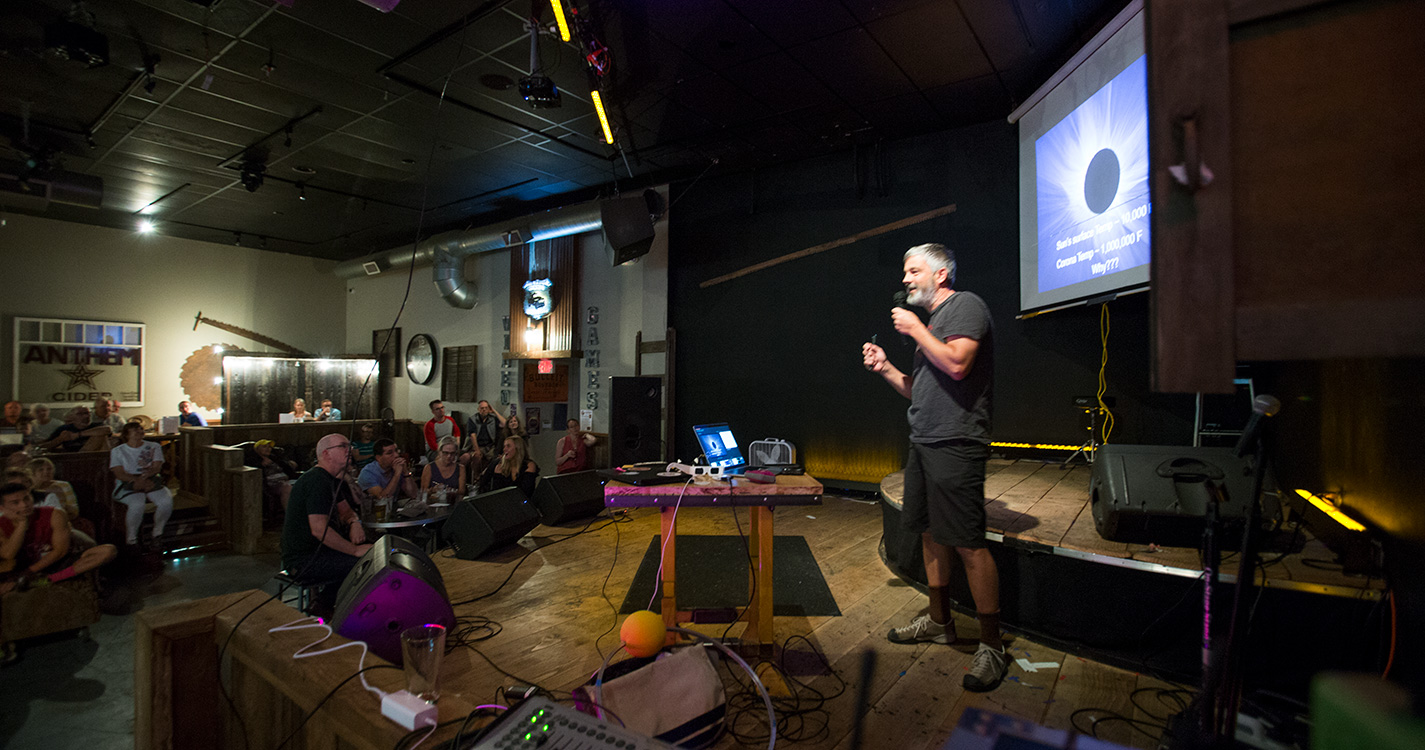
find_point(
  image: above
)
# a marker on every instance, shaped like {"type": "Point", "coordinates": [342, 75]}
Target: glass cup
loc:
{"type": "Point", "coordinates": [422, 649]}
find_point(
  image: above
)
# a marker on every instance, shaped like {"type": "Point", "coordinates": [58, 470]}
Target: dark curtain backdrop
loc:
{"type": "Point", "coordinates": [777, 352]}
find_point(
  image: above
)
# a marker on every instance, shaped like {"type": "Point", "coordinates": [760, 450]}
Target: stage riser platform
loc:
{"type": "Point", "coordinates": [1145, 616]}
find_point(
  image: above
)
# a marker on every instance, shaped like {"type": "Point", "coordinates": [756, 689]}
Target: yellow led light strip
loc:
{"type": "Point", "coordinates": [1041, 446]}
{"type": "Point", "coordinates": [603, 118]}
{"type": "Point", "coordinates": [558, 6]}
{"type": "Point", "coordinates": [1331, 510]}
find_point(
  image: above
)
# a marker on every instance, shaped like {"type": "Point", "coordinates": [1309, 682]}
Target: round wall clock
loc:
{"type": "Point", "coordinates": [420, 358]}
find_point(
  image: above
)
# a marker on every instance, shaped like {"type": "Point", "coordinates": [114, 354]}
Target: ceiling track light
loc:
{"type": "Point", "coordinates": [603, 116]}
{"type": "Point", "coordinates": [559, 20]}
{"type": "Point", "coordinates": [301, 191]}
{"type": "Point", "coordinates": [146, 226]}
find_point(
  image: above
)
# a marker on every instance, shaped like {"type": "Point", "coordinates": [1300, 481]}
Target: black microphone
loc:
{"type": "Point", "coordinates": [900, 298]}
{"type": "Point", "coordinates": [1263, 406]}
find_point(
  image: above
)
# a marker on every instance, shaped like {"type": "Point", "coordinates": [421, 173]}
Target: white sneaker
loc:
{"type": "Point", "coordinates": [923, 630]}
{"type": "Point", "coordinates": [987, 669]}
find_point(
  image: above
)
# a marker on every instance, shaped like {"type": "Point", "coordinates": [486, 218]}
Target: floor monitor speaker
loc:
{"type": "Point", "coordinates": [636, 421]}
{"type": "Point", "coordinates": [394, 586]}
{"type": "Point", "coordinates": [565, 497]}
{"type": "Point", "coordinates": [489, 521]}
{"type": "Point", "coordinates": [1156, 494]}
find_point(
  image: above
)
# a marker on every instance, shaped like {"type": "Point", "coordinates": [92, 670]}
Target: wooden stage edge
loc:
{"type": "Point", "coordinates": [1040, 505]}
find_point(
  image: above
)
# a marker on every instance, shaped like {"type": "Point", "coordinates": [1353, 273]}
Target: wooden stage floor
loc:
{"type": "Point", "coordinates": [1040, 503]}
{"type": "Point", "coordinates": [560, 600]}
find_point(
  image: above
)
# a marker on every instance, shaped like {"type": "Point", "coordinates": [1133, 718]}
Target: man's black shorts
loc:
{"type": "Point", "coordinates": [945, 492]}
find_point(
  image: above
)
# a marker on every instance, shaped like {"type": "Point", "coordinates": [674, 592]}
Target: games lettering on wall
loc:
{"type": "Point", "coordinates": [61, 362]}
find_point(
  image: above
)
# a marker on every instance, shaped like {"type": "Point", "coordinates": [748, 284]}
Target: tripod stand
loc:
{"type": "Point", "coordinates": [1090, 446]}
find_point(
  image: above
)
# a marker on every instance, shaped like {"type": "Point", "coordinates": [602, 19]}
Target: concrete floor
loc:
{"type": "Point", "coordinates": [69, 693]}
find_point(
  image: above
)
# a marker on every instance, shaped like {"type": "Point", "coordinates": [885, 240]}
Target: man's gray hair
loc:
{"type": "Point", "coordinates": [937, 256]}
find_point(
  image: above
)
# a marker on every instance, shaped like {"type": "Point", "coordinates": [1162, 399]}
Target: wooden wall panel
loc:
{"type": "Point", "coordinates": [560, 331]}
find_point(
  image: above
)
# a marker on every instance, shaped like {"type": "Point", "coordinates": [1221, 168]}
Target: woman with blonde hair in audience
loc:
{"type": "Point", "coordinates": [446, 475]}
{"type": "Point", "coordinates": [514, 467]}
{"type": "Point", "coordinates": [42, 426]}
{"type": "Point", "coordinates": [299, 411]}
{"type": "Point", "coordinates": [135, 465]}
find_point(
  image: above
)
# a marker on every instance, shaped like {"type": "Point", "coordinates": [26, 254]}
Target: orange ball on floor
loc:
{"type": "Point", "coordinates": [643, 633]}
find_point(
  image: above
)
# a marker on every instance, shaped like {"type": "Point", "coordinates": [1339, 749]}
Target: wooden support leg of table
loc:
{"type": "Point", "coordinates": [759, 611]}
{"type": "Point", "coordinates": [669, 542]}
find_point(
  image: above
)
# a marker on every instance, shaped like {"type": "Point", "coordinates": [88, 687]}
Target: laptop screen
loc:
{"type": "Point", "coordinates": [719, 445]}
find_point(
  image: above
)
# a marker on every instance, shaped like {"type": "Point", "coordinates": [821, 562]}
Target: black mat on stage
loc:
{"type": "Point", "coordinates": [712, 574]}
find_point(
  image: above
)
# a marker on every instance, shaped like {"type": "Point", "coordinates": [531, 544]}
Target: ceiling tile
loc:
{"type": "Point", "coordinates": [854, 66]}
{"type": "Point", "coordinates": [932, 45]}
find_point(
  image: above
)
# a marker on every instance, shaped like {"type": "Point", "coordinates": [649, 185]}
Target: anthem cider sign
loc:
{"type": "Point", "coordinates": [60, 362]}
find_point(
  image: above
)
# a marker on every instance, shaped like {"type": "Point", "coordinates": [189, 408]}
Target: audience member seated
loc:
{"type": "Point", "coordinates": [135, 465]}
{"type": "Point", "coordinates": [327, 413]}
{"type": "Point", "coordinates": [573, 452]}
{"type": "Point", "coordinates": [446, 477]}
{"type": "Point", "coordinates": [105, 414]}
{"type": "Point", "coordinates": [42, 425]}
{"type": "Point", "coordinates": [47, 499]}
{"type": "Point", "coordinates": [10, 425]}
{"type": "Point", "coordinates": [363, 449]}
{"type": "Point", "coordinates": [277, 473]}
{"type": "Point", "coordinates": [189, 418]}
{"type": "Point", "coordinates": [299, 411]}
{"type": "Point", "coordinates": [37, 547]}
{"type": "Point", "coordinates": [439, 426]}
{"type": "Point", "coordinates": [385, 477]}
{"type": "Point", "coordinates": [79, 433]}
{"type": "Point", "coordinates": [58, 494]}
{"type": "Point", "coordinates": [486, 428]}
{"type": "Point", "coordinates": [320, 513]}
{"type": "Point", "coordinates": [513, 469]}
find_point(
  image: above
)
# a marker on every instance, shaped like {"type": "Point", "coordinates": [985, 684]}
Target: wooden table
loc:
{"type": "Point", "coordinates": [762, 498]}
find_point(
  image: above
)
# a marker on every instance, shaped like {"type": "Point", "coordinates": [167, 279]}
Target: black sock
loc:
{"type": "Point", "coordinates": [989, 629]}
{"type": "Point", "coordinates": [940, 604]}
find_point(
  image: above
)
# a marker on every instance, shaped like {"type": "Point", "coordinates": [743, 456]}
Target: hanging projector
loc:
{"type": "Point", "coordinates": [537, 88]}
{"type": "Point", "coordinates": [539, 91]}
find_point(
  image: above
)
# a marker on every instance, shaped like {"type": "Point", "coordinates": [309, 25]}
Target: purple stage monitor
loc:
{"type": "Point", "coordinates": [393, 586]}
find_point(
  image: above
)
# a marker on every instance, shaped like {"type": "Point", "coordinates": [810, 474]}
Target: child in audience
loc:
{"type": "Point", "coordinates": [36, 546]}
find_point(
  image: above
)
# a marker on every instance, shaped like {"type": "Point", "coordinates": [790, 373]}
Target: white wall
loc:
{"type": "Point", "coordinates": [61, 269]}
{"type": "Point", "coordinates": [630, 298]}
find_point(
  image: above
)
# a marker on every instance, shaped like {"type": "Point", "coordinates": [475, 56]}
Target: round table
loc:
{"type": "Point", "coordinates": [401, 523]}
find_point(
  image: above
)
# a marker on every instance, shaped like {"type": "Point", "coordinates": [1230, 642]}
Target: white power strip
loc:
{"type": "Point", "coordinates": [715, 472]}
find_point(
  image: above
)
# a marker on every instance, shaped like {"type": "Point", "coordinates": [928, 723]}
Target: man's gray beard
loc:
{"type": "Point", "coordinates": [918, 298]}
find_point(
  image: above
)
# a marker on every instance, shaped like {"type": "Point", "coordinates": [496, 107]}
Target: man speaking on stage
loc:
{"type": "Point", "coordinates": [950, 388]}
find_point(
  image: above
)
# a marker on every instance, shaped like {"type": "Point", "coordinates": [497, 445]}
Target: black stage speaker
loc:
{"type": "Point", "coordinates": [394, 586]}
{"type": "Point", "coordinates": [628, 228]}
{"type": "Point", "coordinates": [565, 497]}
{"type": "Point", "coordinates": [636, 424]}
{"type": "Point", "coordinates": [1156, 494]}
{"type": "Point", "coordinates": [487, 521]}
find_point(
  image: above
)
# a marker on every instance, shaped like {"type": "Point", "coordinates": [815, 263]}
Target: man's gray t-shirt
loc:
{"type": "Point", "coordinates": [942, 408]}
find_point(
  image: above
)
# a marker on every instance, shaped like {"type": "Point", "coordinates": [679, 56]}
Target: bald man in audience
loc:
{"type": "Point", "coordinates": [322, 536]}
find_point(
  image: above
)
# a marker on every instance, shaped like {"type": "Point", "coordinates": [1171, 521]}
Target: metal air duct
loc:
{"type": "Point", "coordinates": [446, 252]}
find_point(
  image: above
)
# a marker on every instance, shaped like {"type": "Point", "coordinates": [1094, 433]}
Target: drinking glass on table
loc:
{"type": "Point", "coordinates": [422, 649]}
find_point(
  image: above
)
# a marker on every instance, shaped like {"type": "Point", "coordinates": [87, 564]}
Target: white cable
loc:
{"type": "Point", "coordinates": [663, 550]}
{"type": "Point", "coordinates": [426, 737]}
{"type": "Point", "coordinates": [303, 653]}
